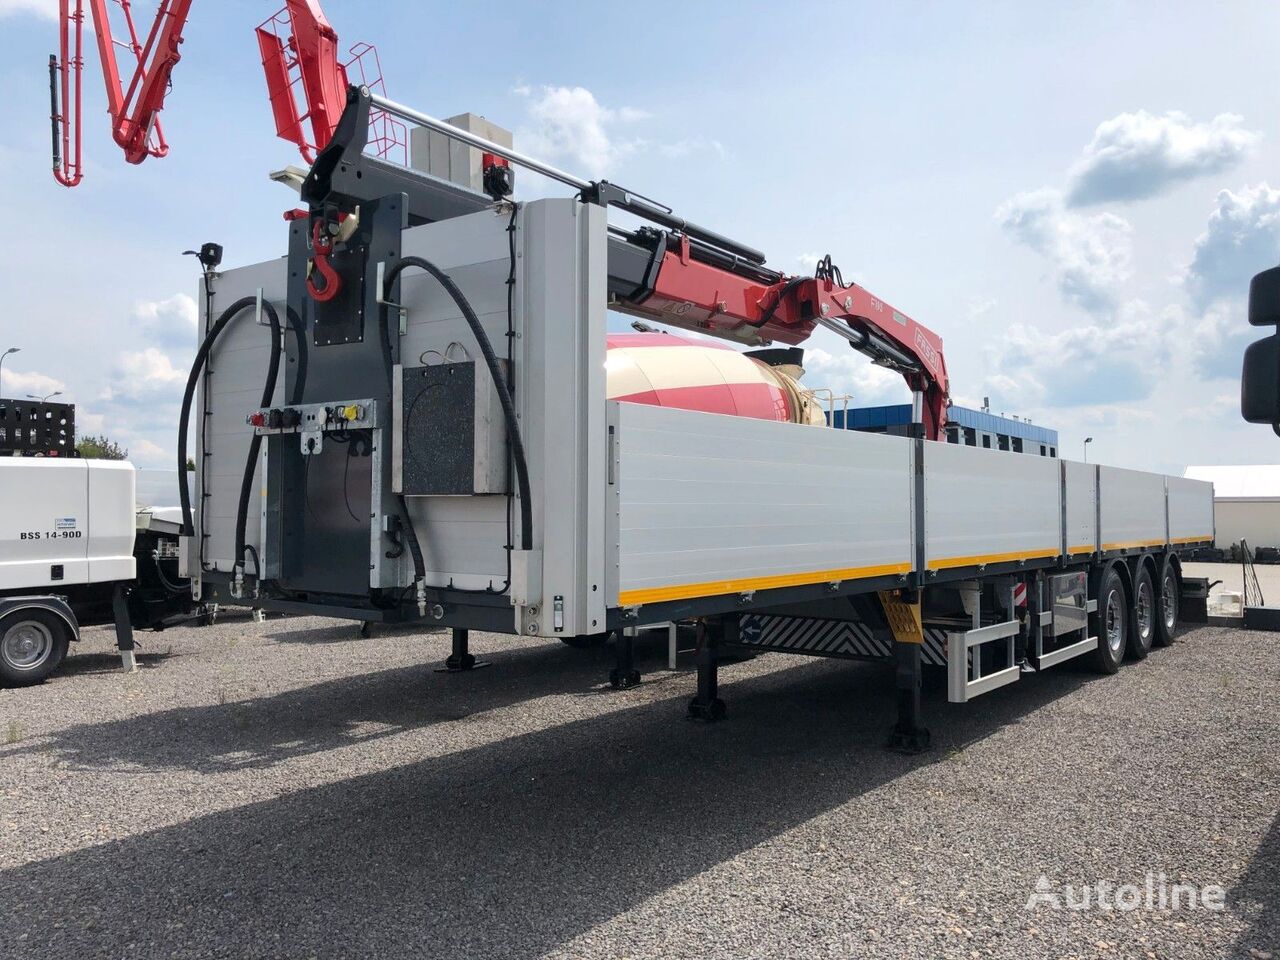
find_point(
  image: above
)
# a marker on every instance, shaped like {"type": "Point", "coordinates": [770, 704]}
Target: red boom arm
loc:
{"type": "Point", "coordinates": [298, 47]}
{"type": "Point", "coordinates": [700, 296]}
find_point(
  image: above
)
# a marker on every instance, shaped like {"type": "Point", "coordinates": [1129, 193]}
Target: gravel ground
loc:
{"type": "Point", "coordinates": [287, 790]}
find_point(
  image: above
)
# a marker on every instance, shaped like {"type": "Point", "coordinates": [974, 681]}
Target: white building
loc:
{"type": "Point", "coordinates": [1246, 503]}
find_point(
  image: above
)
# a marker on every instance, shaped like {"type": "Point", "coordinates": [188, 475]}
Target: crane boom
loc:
{"type": "Point", "coordinates": [299, 56]}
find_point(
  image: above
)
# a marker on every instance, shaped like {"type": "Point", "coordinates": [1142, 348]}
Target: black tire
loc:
{"type": "Point", "coordinates": [1110, 622]}
{"type": "Point", "coordinates": [1168, 602]}
{"type": "Point", "coordinates": [587, 641]}
{"type": "Point", "coordinates": [1143, 624]}
{"type": "Point", "coordinates": [33, 643]}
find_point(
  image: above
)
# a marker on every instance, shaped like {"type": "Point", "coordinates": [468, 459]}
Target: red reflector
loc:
{"type": "Point", "coordinates": [256, 419]}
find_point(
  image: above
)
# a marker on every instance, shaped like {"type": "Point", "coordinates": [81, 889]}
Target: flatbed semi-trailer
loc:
{"type": "Point", "coordinates": [408, 419]}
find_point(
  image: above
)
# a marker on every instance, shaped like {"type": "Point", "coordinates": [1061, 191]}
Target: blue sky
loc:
{"type": "Point", "coordinates": [1073, 196]}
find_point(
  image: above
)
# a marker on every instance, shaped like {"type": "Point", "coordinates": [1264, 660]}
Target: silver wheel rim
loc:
{"type": "Point", "coordinates": [1146, 611]}
{"type": "Point", "coordinates": [1168, 601]}
{"type": "Point", "coordinates": [1115, 622]}
{"type": "Point", "coordinates": [26, 645]}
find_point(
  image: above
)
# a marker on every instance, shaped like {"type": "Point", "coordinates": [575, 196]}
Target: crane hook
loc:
{"type": "Point", "coordinates": [322, 246]}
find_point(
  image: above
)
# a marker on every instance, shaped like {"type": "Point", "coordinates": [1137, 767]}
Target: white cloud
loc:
{"type": "Point", "coordinates": [170, 322]}
{"type": "Point", "coordinates": [849, 372]}
{"type": "Point", "coordinates": [568, 124]}
{"type": "Point", "coordinates": [141, 375]}
{"type": "Point", "coordinates": [1137, 155]}
{"type": "Point", "coordinates": [15, 383]}
{"type": "Point", "coordinates": [1091, 254]}
{"type": "Point", "coordinates": [48, 9]}
{"type": "Point", "coordinates": [1241, 238]}
{"type": "Point", "coordinates": [1115, 362]}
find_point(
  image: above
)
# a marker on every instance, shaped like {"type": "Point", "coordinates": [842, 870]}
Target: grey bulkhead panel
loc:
{"type": "Point", "coordinates": [1190, 510]}
{"type": "Point", "coordinates": [463, 537]}
{"type": "Point", "coordinates": [1081, 514]}
{"type": "Point", "coordinates": [238, 368]}
{"type": "Point", "coordinates": [1131, 508]}
{"type": "Point", "coordinates": [559, 307]}
{"type": "Point", "coordinates": [989, 506]}
{"type": "Point", "coordinates": [709, 504]}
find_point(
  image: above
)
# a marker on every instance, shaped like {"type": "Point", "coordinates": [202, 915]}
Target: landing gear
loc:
{"type": "Point", "coordinates": [461, 659]}
{"type": "Point", "coordinates": [707, 707]}
{"type": "Point", "coordinates": [124, 630]}
{"type": "Point", "coordinates": [909, 734]}
{"type": "Point", "coordinates": [624, 675]}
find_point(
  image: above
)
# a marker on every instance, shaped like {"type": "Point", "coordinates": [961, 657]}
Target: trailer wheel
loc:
{"type": "Point", "coordinates": [587, 641]}
{"type": "Point", "coordinates": [1145, 614]}
{"type": "Point", "coordinates": [1167, 603]}
{"type": "Point", "coordinates": [33, 644]}
{"type": "Point", "coordinates": [1110, 621]}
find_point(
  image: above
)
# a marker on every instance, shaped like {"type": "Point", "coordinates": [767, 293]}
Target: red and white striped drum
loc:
{"type": "Point", "coordinates": [673, 371]}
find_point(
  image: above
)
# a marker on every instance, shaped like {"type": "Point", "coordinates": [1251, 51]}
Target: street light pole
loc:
{"type": "Point", "coordinates": [1087, 441]}
{"type": "Point", "coordinates": [2, 356]}
{"type": "Point", "coordinates": [45, 398]}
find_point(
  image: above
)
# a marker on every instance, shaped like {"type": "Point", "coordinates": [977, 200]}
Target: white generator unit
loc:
{"type": "Point", "coordinates": [67, 531]}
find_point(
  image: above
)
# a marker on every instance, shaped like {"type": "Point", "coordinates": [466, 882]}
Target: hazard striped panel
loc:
{"type": "Point", "coordinates": [829, 638]}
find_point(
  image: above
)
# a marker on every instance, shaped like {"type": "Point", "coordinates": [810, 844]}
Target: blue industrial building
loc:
{"type": "Point", "coordinates": [974, 428]}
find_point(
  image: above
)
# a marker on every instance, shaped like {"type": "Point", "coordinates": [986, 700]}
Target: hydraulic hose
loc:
{"type": "Point", "coordinates": [499, 382]}
{"type": "Point", "coordinates": [255, 442]}
{"type": "Point", "coordinates": [188, 396]}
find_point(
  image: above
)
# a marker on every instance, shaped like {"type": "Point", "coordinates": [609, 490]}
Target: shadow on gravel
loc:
{"type": "Point", "coordinates": [236, 734]}
{"type": "Point", "coordinates": [348, 631]}
{"type": "Point", "coordinates": [1257, 897]}
{"type": "Point", "coordinates": [509, 849]}
{"type": "Point", "coordinates": [83, 664]}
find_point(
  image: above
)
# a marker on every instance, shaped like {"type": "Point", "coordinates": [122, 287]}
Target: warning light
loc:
{"type": "Point", "coordinates": [256, 419]}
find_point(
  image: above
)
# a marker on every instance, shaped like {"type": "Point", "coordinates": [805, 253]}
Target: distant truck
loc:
{"type": "Point", "coordinates": [75, 551]}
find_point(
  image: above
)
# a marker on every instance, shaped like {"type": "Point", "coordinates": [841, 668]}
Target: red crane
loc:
{"type": "Point", "coordinates": [299, 57]}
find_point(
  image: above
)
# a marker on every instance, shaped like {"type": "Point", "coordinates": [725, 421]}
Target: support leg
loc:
{"type": "Point", "coordinates": [673, 644]}
{"type": "Point", "coordinates": [461, 659]}
{"type": "Point", "coordinates": [124, 629]}
{"type": "Point", "coordinates": [909, 734]}
{"type": "Point", "coordinates": [625, 674]}
{"type": "Point", "coordinates": [707, 706]}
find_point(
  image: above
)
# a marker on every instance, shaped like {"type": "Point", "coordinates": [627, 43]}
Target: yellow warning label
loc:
{"type": "Point", "coordinates": [904, 618]}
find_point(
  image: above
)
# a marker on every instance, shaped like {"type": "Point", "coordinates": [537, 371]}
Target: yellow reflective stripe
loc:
{"type": "Point", "coordinates": [687, 591]}
{"type": "Point", "coordinates": [946, 563]}
{"type": "Point", "coordinates": [1133, 543]}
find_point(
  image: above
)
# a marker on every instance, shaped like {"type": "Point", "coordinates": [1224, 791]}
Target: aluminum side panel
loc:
{"type": "Point", "coordinates": [463, 537]}
{"type": "Point", "coordinates": [712, 504]}
{"type": "Point", "coordinates": [238, 366]}
{"type": "Point", "coordinates": [1081, 510]}
{"type": "Point", "coordinates": [988, 506]}
{"type": "Point", "coordinates": [1131, 508]}
{"type": "Point", "coordinates": [1190, 510]}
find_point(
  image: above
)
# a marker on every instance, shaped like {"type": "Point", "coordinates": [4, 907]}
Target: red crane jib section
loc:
{"type": "Point", "coordinates": [717, 299]}
{"type": "Point", "coordinates": [309, 47]}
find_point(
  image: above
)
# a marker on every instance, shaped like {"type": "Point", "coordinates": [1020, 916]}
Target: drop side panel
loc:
{"type": "Point", "coordinates": [1080, 515]}
{"type": "Point", "coordinates": [1132, 509]}
{"type": "Point", "coordinates": [987, 506]}
{"type": "Point", "coordinates": [711, 505]}
{"type": "Point", "coordinates": [1190, 510]}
